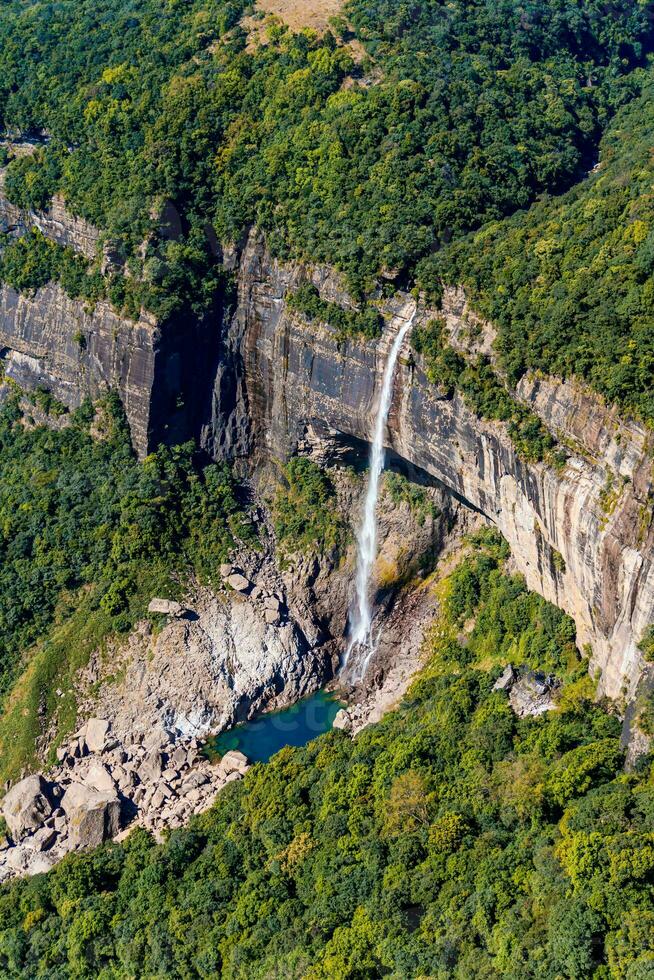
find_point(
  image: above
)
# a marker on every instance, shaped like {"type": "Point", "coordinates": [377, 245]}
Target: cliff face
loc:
{"type": "Point", "coordinates": [163, 373]}
{"type": "Point", "coordinates": [269, 383]}
{"type": "Point", "coordinates": [582, 536]}
{"type": "Point", "coordinates": [50, 340]}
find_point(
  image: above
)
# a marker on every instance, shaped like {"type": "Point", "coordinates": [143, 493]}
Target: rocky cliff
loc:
{"type": "Point", "coordinates": [50, 341]}
{"type": "Point", "coordinates": [581, 535]}
{"type": "Point", "coordinates": [268, 382]}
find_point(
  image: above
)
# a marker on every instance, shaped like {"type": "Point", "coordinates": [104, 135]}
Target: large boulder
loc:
{"type": "Point", "coordinates": [92, 817]}
{"type": "Point", "coordinates": [166, 607]}
{"type": "Point", "coordinates": [233, 761]}
{"type": "Point", "coordinates": [99, 778]}
{"type": "Point", "coordinates": [506, 680]}
{"type": "Point", "coordinates": [26, 806]}
{"type": "Point", "coordinates": [343, 721]}
{"type": "Point", "coordinates": [94, 734]}
{"type": "Point", "coordinates": [239, 582]}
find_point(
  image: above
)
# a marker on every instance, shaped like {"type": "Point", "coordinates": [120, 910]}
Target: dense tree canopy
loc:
{"type": "Point", "coordinates": [451, 840]}
{"type": "Point", "coordinates": [570, 283]}
{"type": "Point", "coordinates": [466, 113]}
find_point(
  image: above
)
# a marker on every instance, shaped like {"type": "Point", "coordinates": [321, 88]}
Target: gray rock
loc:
{"type": "Point", "coordinates": [195, 780]}
{"type": "Point", "coordinates": [226, 570]}
{"type": "Point", "coordinates": [157, 740]}
{"type": "Point", "coordinates": [92, 817]}
{"type": "Point", "coordinates": [99, 778]}
{"type": "Point", "coordinates": [239, 583]}
{"type": "Point", "coordinates": [166, 607]}
{"type": "Point", "coordinates": [179, 758]}
{"type": "Point", "coordinates": [27, 805]}
{"type": "Point", "coordinates": [233, 761]}
{"type": "Point", "coordinates": [506, 680]}
{"type": "Point", "coordinates": [94, 733]}
{"type": "Point", "coordinates": [150, 769]}
{"type": "Point", "coordinates": [343, 721]}
{"type": "Point", "coordinates": [42, 840]}
{"type": "Point", "coordinates": [271, 617]}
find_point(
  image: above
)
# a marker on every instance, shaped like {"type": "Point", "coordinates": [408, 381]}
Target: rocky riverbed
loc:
{"type": "Point", "coordinates": [103, 786]}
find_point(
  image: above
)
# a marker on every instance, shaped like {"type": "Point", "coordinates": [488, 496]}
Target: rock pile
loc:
{"type": "Point", "coordinates": [103, 787]}
{"type": "Point", "coordinates": [530, 692]}
{"type": "Point", "coordinates": [273, 608]}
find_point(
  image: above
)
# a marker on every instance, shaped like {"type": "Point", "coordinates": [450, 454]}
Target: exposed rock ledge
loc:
{"type": "Point", "coordinates": [219, 665]}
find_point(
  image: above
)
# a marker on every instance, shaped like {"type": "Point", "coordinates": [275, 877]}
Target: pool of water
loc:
{"type": "Point", "coordinates": [267, 734]}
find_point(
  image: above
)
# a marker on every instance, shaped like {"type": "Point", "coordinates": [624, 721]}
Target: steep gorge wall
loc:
{"type": "Point", "coordinates": [162, 372]}
{"type": "Point", "coordinates": [582, 536]}
{"type": "Point", "coordinates": [269, 383]}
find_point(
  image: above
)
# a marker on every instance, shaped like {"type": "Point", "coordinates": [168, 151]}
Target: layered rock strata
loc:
{"type": "Point", "coordinates": [581, 535]}
{"type": "Point", "coordinates": [162, 372]}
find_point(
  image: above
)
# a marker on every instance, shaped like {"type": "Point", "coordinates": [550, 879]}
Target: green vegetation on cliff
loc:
{"type": "Point", "coordinates": [451, 840]}
{"type": "Point", "coordinates": [484, 393]}
{"type": "Point", "coordinates": [304, 510]}
{"type": "Point", "coordinates": [366, 322]}
{"type": "Point", "coordinates": [570, 283]}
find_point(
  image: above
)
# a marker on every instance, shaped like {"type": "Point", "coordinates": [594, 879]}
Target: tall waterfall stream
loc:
{"type": "Point", "coordinates": [362, 642]}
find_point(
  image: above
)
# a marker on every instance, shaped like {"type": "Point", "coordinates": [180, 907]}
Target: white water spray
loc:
{"type": "Point", "coordinates": [361, 637]}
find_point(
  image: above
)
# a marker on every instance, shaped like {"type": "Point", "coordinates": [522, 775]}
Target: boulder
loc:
{"type": "Point", "coordinates": [179, 758]}
{"type": "Point", "coordinates": [239, 582]}
{"type": "Point", "coordinates": [272, 602]}
{"type": "Point", "coordinates": [343, 721]}
{"type": "Point", "coordinates": [99, 778]}
{"type": "Point", "coordinates": [233, 761]}
{"type": "Point", "coordinates": [166, 607]}
{"type": "Point", "coordinates": [193, 781]}
{"type": "Point", "coordinates": [27, 805]}
{"type": "Point", "coordinates": [150, 769]}
{"type": "Point", "coordinates": [42, 840]}
{"type": "Point", "coordinates": [94, 734]}
{"type": "Point", "coordinates": [92, 817]}
{"type": "Point", "coordinates": [227, 570]}
{"type": "Point", "coordinates": [271, 617]}
{"type": "Point", "coordinates": [506, 680]}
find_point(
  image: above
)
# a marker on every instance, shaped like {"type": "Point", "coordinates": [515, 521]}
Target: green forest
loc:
{"type": "Point", "coordinates": [570, 283]}
{"type": "Point", "coordinates": [450, 840]}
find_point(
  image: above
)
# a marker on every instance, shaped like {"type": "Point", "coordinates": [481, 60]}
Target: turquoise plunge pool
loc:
{"type": "Point", "coordinates": [261, 738]}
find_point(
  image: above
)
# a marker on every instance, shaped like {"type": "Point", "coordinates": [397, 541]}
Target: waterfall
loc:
{"type": "Point", "coordinates": [361, 637]}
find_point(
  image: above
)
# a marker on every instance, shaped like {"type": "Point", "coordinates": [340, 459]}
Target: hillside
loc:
{"type": "Point", "coordinates": [240, 244]}
{"type": "Point", "coordinates": [450, 840]}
